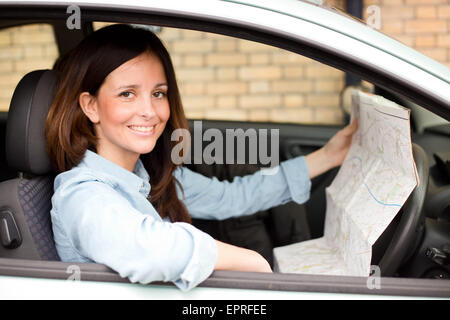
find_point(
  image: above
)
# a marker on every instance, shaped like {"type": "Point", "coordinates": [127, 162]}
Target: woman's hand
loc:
{"type": "Point", "coordinates": [239, 259]}
{"type": "Point", "coordinates": [333, 153]}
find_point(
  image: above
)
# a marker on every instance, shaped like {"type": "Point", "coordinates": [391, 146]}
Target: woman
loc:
{"type": "Point", "coordinates": [119, 199]}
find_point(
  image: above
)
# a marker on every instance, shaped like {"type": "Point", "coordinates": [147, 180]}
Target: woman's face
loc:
{"type": "Point", "coordinates": [130, 111]}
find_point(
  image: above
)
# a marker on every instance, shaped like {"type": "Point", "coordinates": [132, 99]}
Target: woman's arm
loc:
{"type": "Point", "coordinates": [209, 198]}
{"type": "Point", "coordinates": [239, 259]}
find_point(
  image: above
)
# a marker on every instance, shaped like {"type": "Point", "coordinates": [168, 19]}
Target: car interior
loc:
{"type": "Point", "coordinates": [415, 245]}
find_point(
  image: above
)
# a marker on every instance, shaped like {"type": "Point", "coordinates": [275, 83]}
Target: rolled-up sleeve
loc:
{"type": "Point", "coordinates": [103, 226]}
{"type": "Point", "coordinates": [297, 178]}
{"type": "Point", "coordinates": [209, 198]}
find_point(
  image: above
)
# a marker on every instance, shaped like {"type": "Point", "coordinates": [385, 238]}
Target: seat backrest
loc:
{"type": "Point", "coordinates": [25, 202]}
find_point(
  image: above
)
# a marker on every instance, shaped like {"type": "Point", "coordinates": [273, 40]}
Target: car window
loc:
{"type": "Point", "coordinates": [225, 78]}
{"type": "Point", "coordinates": [23, 49]}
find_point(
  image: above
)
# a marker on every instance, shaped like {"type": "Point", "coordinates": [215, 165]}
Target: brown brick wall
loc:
{"type": "Point", "coordinates": [225, 78]}
{"type": "Point", "coordinates": [420, 24]}
{"type": "Point", "coordinates": [23, 49]}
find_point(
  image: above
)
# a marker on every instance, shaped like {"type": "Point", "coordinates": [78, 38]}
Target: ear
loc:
{"type": "Point", "coordinates": [88, 104]}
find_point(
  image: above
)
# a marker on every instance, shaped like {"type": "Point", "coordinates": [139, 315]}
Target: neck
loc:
{"type": "Point", "coordinates": [126, 161]}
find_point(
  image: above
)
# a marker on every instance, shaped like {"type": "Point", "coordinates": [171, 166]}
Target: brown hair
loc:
{"type": "Point", "coordinates": [69, 133]}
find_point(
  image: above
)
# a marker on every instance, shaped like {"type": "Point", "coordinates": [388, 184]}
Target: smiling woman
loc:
{"type": "Point", "coordinates": [129, 119]}
{"type": "Point", "coordinates": [109, 133]}
{"type": "Point", "coordinates": [87, 115]}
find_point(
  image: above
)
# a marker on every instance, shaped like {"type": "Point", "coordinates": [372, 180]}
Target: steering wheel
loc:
{"type": "Point", "coordinates": [399, 241]}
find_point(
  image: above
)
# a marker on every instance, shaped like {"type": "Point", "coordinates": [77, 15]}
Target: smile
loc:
{"type": "Point", "coordinates": [143, 129]}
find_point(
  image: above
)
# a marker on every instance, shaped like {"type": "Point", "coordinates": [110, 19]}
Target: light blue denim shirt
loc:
{"type": "Point", "coordinates": [100, 213]}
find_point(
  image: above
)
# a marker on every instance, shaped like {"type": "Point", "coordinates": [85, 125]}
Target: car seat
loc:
{"type": "Point", "coordinates": [25, 202]}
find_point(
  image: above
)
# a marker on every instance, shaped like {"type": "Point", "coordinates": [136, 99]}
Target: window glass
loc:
{"type": "Point", "coordinates": [225, 78]}
{"type": "Point", "coordinates": [23, 49]}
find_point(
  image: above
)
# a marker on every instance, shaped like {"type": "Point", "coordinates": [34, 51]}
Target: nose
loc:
{"type": "Point", "coordinates": [146, 109]}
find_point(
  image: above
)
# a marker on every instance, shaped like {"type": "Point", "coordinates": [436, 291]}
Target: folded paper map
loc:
{"type": "Point", "coordinates": [374, 181]}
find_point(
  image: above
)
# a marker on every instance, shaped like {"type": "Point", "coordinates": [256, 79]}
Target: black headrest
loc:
{"type": "Point", "coordinates": [25, 141]}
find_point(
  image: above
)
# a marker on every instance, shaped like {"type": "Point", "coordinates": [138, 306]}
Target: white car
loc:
{"type": "Point", "coordinates": [412, 255]}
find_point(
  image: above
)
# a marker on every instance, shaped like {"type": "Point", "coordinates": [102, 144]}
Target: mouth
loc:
{"type": "Point", "coordinates": [143, 130]}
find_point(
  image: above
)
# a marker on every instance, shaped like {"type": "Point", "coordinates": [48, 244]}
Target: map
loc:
{"type": "Point", "coordinates": [374, 181]}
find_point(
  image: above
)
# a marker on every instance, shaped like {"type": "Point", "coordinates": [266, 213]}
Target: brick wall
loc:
{"type": "Point", "coordinates": [23, 49]}
{"type": "Point", "coordinates": [420, 24]}
{"type": "Point", "coordinates": [225, 78]}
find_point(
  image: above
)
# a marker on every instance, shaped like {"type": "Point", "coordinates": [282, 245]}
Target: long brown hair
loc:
{"type": "Point", "coordinates": [69, 133]}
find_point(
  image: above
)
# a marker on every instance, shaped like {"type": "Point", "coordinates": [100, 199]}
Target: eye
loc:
{"type": "Point", "coordinates": [126, 94]}
{"type": "Point", "coordinates": [159, 94]}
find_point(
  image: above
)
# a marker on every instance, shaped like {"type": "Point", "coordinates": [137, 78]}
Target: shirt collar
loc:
{"type": "Point", "coordinates": [137, 180]}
